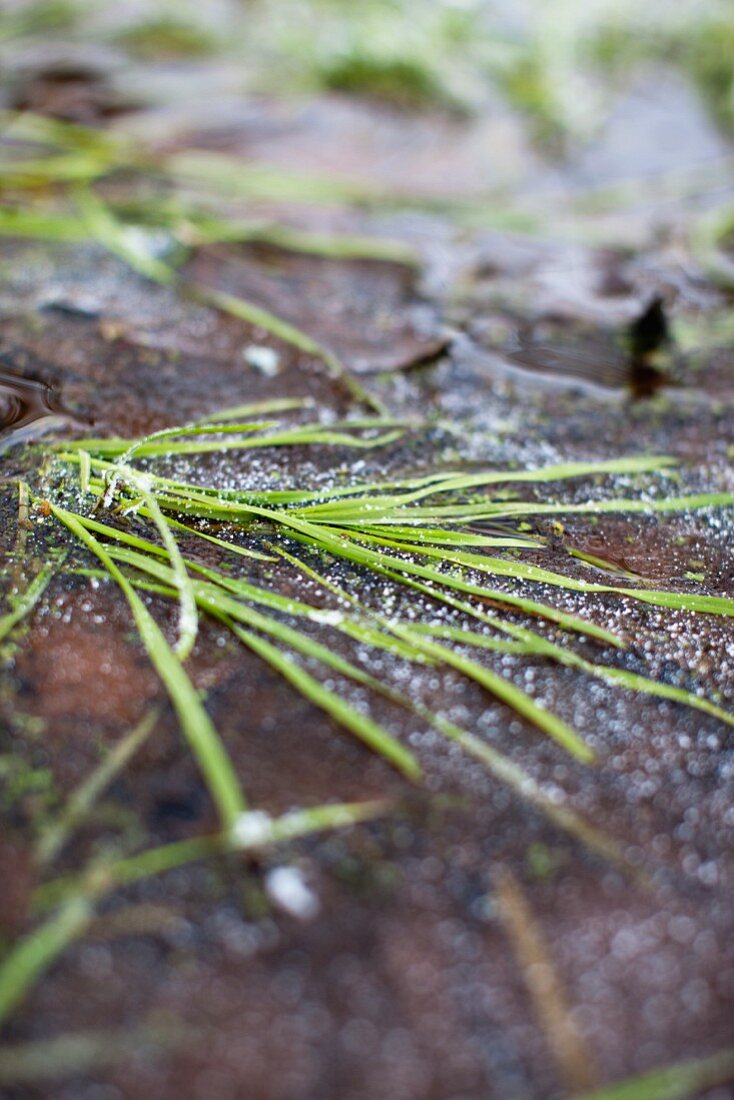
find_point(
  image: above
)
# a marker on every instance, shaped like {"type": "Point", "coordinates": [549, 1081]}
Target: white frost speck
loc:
{"type": "Point", "coordinates": [262, 359]}
{"type": "Point", "coordinates": [287, 888]}
{"type": "Point", "coordinates": [251, 829]}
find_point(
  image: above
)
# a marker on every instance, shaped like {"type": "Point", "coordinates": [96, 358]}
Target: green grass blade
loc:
{"type": "Point", "coordinates": [508, 693]}
{"type": "Point", "coordinates": [25, 603]}
{"type": "Point", "coordinates": [363, 727]}
{"type": "Point", "coordinates": [188, 617]}
{"type": "Point", "coordinates": [211, 229]}
{"type": "Point", "coordinates": [497, 764]}
{"type": "Point", "coordinates": [222, 606]}
{"type": "Point", "coordinates": [283, 330]}
{"type": "Point", "coordinates": [252, 831]}
{"type": "Point", "coordinates": [681, 1081]}
{"type": "Point", "coordinates": [525, 788]}
{"type": "Point", "coordinates": [288, 437]}
{"type": "Point", "coordinates": [456, 482]}
{"type": "Point", "coordinates": [230, 547]}
{"type": "Point", "coordinates": [34, 954]}
{"type": "Point", "coordinates": [40, 225]}
{"type": "Point", "coordinates": [195, 722]}
{"type": "Point", "coordinates": [436, 536]}
{"type": "Point", "coordinates": [634, 682]}
{"type": "Point", "coordinates": [81, 1053]}
{"type": "Point", "coordinates": [55, 835]}
{"type": "Point", "coordinates": [620, 505]}
{"type": "Point", "coordinates": [532, 645]}
{"type": "Point", "coordinates": [258, 408]}
{"type": "Point", "coordinates": [123, 240]}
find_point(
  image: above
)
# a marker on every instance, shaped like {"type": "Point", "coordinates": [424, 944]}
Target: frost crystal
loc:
{"type": "Point", "coordinates": [251, 829]}
{"type": "Point", "coordinates": [287, 888]}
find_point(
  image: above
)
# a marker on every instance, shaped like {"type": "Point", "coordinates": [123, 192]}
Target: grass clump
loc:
{"type": "Point", "coordinates": [453, 537]}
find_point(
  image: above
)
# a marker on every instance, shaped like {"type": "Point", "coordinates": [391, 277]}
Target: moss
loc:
{"type": "Point", "coordinates": [542, 862]}
{"type": "Point", "coordinates": [525, 85]}
{"type": "Point", "coordinates": [43, 16]}
{"type": "Point", "coordinates": [704, 49]}
{"type": "Point", "coordinates": [708, 55]}
{"type": "Point", "coordinates": [168, 39]}
{"type": "Point", "coordinates": [406, 82]}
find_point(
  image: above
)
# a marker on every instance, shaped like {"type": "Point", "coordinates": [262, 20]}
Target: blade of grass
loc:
{"type": "Point", "coordinates": [680, 1081]}
{"type": "Point", "coordinates": [124, 241]}
{"type": "Point", "coordinates": [57, 833]}
{"type": "Point", "coordinates": [530, 945]}
{"type": "Point", "coordinates": [195, 722]}
{"type": "Point", "coordinates": [498, 686]}
{"type": "Point", "coordinates": [80, 1053]}
{"type": "Point", "coordinates": [457, 482]}
{"type": "Point", "coordinates": [25, 603]}
{"type": "Point", "coordinates": [508, 693]}
{"type": "Point", "coordinates": [289, 334]}
{"type": "Point", "coordinates": [227, 609]}
{"type": "Point", "coordinates": [188, 616]}
{"type": "Point", "coordinates": [258, 408]}
{"type": "Point", "coordinates": [363, 727]}
{"type": "Point", "coordinates": [230, 547]}
{"type": "Point", "coordinates": [243, 837]}
{"type": "Point", "coordinates": [34, 954]}
{"type": "Point", "coordinates": [253, 831]}
{"type": "Point", "coordinates": [288, 437]}
{"type": "Point", "coordinates": [207, 228]}
{"type": "Point", "coordinates": [532, 645]}
{"type": "Point", "coordinates": [436, 536]}
{"type": "Point", "coordinates": [497, 764]}
{"type": "Point", "coordinates": [494, 510]}
{"type": "Point", "coordinates": [39, 224]}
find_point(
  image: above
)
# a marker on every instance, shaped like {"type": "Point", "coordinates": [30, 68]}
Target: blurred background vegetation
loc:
{"type": "Point", "coordinates": [557, 63]}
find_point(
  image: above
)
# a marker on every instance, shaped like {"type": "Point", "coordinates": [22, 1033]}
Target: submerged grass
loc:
{"type": "Point", "coordinates": [73, 900]}
{"type": "Point", "coordinates": [24, 603]}
{"type": "Point", "coordinates": [77, 807]}
{"type": "Point", "coordinates": [82, 1053]}
{"type": "Point", "coordinates": [32, 956]}
{"type": "Point", "coordinates": [679, 1081]}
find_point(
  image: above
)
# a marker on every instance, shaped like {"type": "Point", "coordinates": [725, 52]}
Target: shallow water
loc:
{"type": "Point", "coordinates": [28, 407]}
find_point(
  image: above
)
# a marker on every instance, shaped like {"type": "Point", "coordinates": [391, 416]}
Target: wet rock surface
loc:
{"type": "Point", "coordinates": [410, 981]}
{"type": "Point", "coordinates": [405, 984]}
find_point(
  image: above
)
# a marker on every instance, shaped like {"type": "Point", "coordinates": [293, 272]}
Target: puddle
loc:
{"type": "Point", "coordinates": [28, 407]}
{"type": "Point", "coordinates": [635, 359]}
